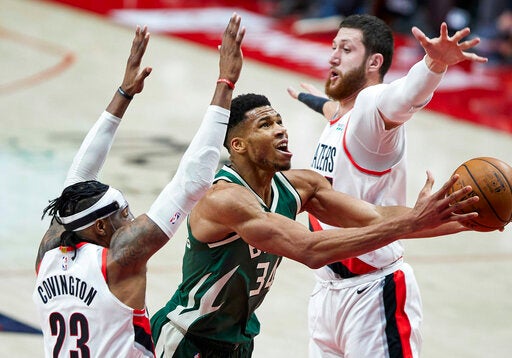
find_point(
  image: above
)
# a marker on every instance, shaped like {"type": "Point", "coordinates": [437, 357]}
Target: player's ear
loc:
{"type": "Point", "coordinates": [238, 145]}
{"type": "Point", "coordinates": [101, 227]}
{"type": "Point", "coordinates": [374, 62]}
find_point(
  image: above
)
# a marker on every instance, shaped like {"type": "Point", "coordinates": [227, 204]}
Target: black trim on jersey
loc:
{"type": "Point", "coordinates": [341, 270]}
{"type": "Point", "coordinates": [390, 305]}
{"type": "Point", "coordinates": [143, 338]}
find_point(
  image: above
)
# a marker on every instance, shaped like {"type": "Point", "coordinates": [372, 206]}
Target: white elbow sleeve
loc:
{"type": "Point", "coordinates": [194, 175]}
{"type": "Point", "coordinates": [197, 174]}
{"type": "Point", "coordinates": [92, 154]}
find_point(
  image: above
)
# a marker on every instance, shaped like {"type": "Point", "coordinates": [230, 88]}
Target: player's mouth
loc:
{"type": "Point", "coordinates": [333, 76]}
{"type": "Point", "coordinates": [282, 147]}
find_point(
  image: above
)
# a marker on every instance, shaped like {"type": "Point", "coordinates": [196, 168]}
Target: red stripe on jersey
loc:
{"type": "Point", "coordinates": [357, 266]}
{"type": "Point", "coordinates": [360, 168]}
{"type": "Point", "coordinates": [354, 265]}
{"type": "Point", "coordinates": [402, 321]}
{"type": "Point", "coordinates": [333, 121]}
{"type": "Point", "coordinates": [314, 223]}
{"type": "Point", "coordinates": [79, 245]}
{"type": "Point", "coordinates": [104, 263]}
{"type": "Point", "coordinates": [140, 319]}
{"type": "Point", "coordinates": [142, 329]}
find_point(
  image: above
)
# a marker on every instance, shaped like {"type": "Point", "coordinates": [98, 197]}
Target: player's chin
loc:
{"type": "Point", "coordinates": [283, 165]}
{"type": "Point", "coordinates": [331, 90]}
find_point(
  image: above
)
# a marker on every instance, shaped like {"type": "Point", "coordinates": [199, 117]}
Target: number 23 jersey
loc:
{"type": "Point", "coordinates": [79, 314]}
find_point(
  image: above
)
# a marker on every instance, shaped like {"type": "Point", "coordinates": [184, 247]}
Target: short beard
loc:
{"type": "Point", "coordinates": [282, 168]}
{"type": "Point", "coordinates": [273, 165]}
{"type": "Point", "coordinates": [348, 84]}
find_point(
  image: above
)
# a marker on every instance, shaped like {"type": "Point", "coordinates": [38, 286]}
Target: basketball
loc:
{"type": "Point", "coordinates": [491, 180]}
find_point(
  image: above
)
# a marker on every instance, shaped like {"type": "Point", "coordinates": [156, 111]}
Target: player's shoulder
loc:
{"type": "Point", "coordinates": [372, 91]}
{"type": "Point", "coordinates": [366, 100]}
{"type": "Point", "coordinates": [301, 173]}
{"type": "Point", "coordinates": [298, 172]}
{"type": "Point", "coordinates": [223, 185]}
{"type": "Point", "coordinates": [305, 179]}
{"type": "Point", "coordinates": [223, 192]}
{"type": "Point", "coordinates": [51, 238]}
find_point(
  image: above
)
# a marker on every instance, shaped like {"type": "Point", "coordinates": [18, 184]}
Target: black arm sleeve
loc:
{"type": "Point", "coordinates": [316, 103]}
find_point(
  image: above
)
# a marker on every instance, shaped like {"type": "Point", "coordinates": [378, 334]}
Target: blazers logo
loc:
{"type": "Point", "coordinates": [324, 158]}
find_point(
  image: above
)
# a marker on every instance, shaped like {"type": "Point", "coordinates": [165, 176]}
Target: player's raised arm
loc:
{"type": "Point", "coordinates": [199, 163]}
{"type": "Point", "coordinates": [230, 62]}
{"type": "Point", "coordinates": [92, 154]}
{"type": "Point", "coordinates": [88, 161]}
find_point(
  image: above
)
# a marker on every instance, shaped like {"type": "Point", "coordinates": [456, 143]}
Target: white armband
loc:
{"type": "Point", "coordinates": [91, 156]}
{"type": "Point", "coordinates": [195, 173]}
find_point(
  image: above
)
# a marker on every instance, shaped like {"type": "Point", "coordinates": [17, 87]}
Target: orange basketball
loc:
{"type": "Point", "coordinates": [491, 180]}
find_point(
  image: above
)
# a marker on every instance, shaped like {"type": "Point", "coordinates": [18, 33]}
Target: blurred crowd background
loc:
{"type": "Point", "coordinates": [491, 20]}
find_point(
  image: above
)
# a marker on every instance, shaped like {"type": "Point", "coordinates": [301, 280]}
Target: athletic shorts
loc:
{"type": "Point", "coordinates": [373, 315]}
{"type": "Point", "coordinates": [173, 343]}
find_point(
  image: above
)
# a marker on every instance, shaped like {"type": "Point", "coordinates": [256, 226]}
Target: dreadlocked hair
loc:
{"type": "Point", "coordinates": [74, 198]}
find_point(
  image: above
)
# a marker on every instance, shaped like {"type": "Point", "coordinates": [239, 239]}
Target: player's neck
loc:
{"type": "Point", "coordinates": [259, 180]}
{"type": "Point", "coordinates": [347, 103]}
{"type": "Point", "coordinates": [344, 106]}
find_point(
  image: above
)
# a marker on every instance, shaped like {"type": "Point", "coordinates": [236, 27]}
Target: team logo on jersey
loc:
{"type": "Point", "coordinates": [324, 158]}
{"type": "Point", "coordinates": [64, 263]}
{"type": "Point", "coordinates": [175, 217]}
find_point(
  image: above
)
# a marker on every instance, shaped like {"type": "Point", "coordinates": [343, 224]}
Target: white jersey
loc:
{"type": "Point", "coordinates": [370, 306]}
{"type": "Point", "coordinates": [376, 174]}
{"type": "Point", "coordinates": [78, 312]}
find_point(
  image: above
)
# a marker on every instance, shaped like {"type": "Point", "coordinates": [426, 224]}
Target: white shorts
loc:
{"type": "Point", "coordinates": [373, 315]}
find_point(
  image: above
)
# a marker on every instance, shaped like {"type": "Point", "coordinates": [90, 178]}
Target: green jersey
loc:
{"type": "Point", "coordinates": [225, 281]}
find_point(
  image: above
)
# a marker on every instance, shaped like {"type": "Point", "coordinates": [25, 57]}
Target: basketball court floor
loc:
{"type": "Point", "coordinates": [60, 68]}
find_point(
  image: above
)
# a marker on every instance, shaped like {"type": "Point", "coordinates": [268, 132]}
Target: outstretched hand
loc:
{"type": "Point", "coordinates": [134, 77]}
{"type": "Point", "coordinates": [444, 51]}
{"type": "Point", "coordinates": [231, 57]}
{"type": "Point", "coordinates": [432, 210]}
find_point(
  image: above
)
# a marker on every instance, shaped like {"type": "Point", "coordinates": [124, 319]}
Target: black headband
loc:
{"type": "Point", "coordinates": [100, 213]}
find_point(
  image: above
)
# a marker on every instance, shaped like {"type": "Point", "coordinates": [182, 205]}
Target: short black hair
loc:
{"type": "Point", "coordinates": [240, 105]}
{"type": "Point", "coordinates": [377, 37]}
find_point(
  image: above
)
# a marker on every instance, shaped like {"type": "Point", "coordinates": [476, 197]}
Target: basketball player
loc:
{"type": "Point", "coordinates": [91, 264]}
{"type": "Point", "coordinates": [241, 228]}
{"type": "Point", "coordinates": [370, 306]}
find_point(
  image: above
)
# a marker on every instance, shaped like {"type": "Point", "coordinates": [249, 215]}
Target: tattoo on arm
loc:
{"type": "Point", "coordinates": [51, 239]}
{"type": "Point", "coordinates": [136, 243]}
